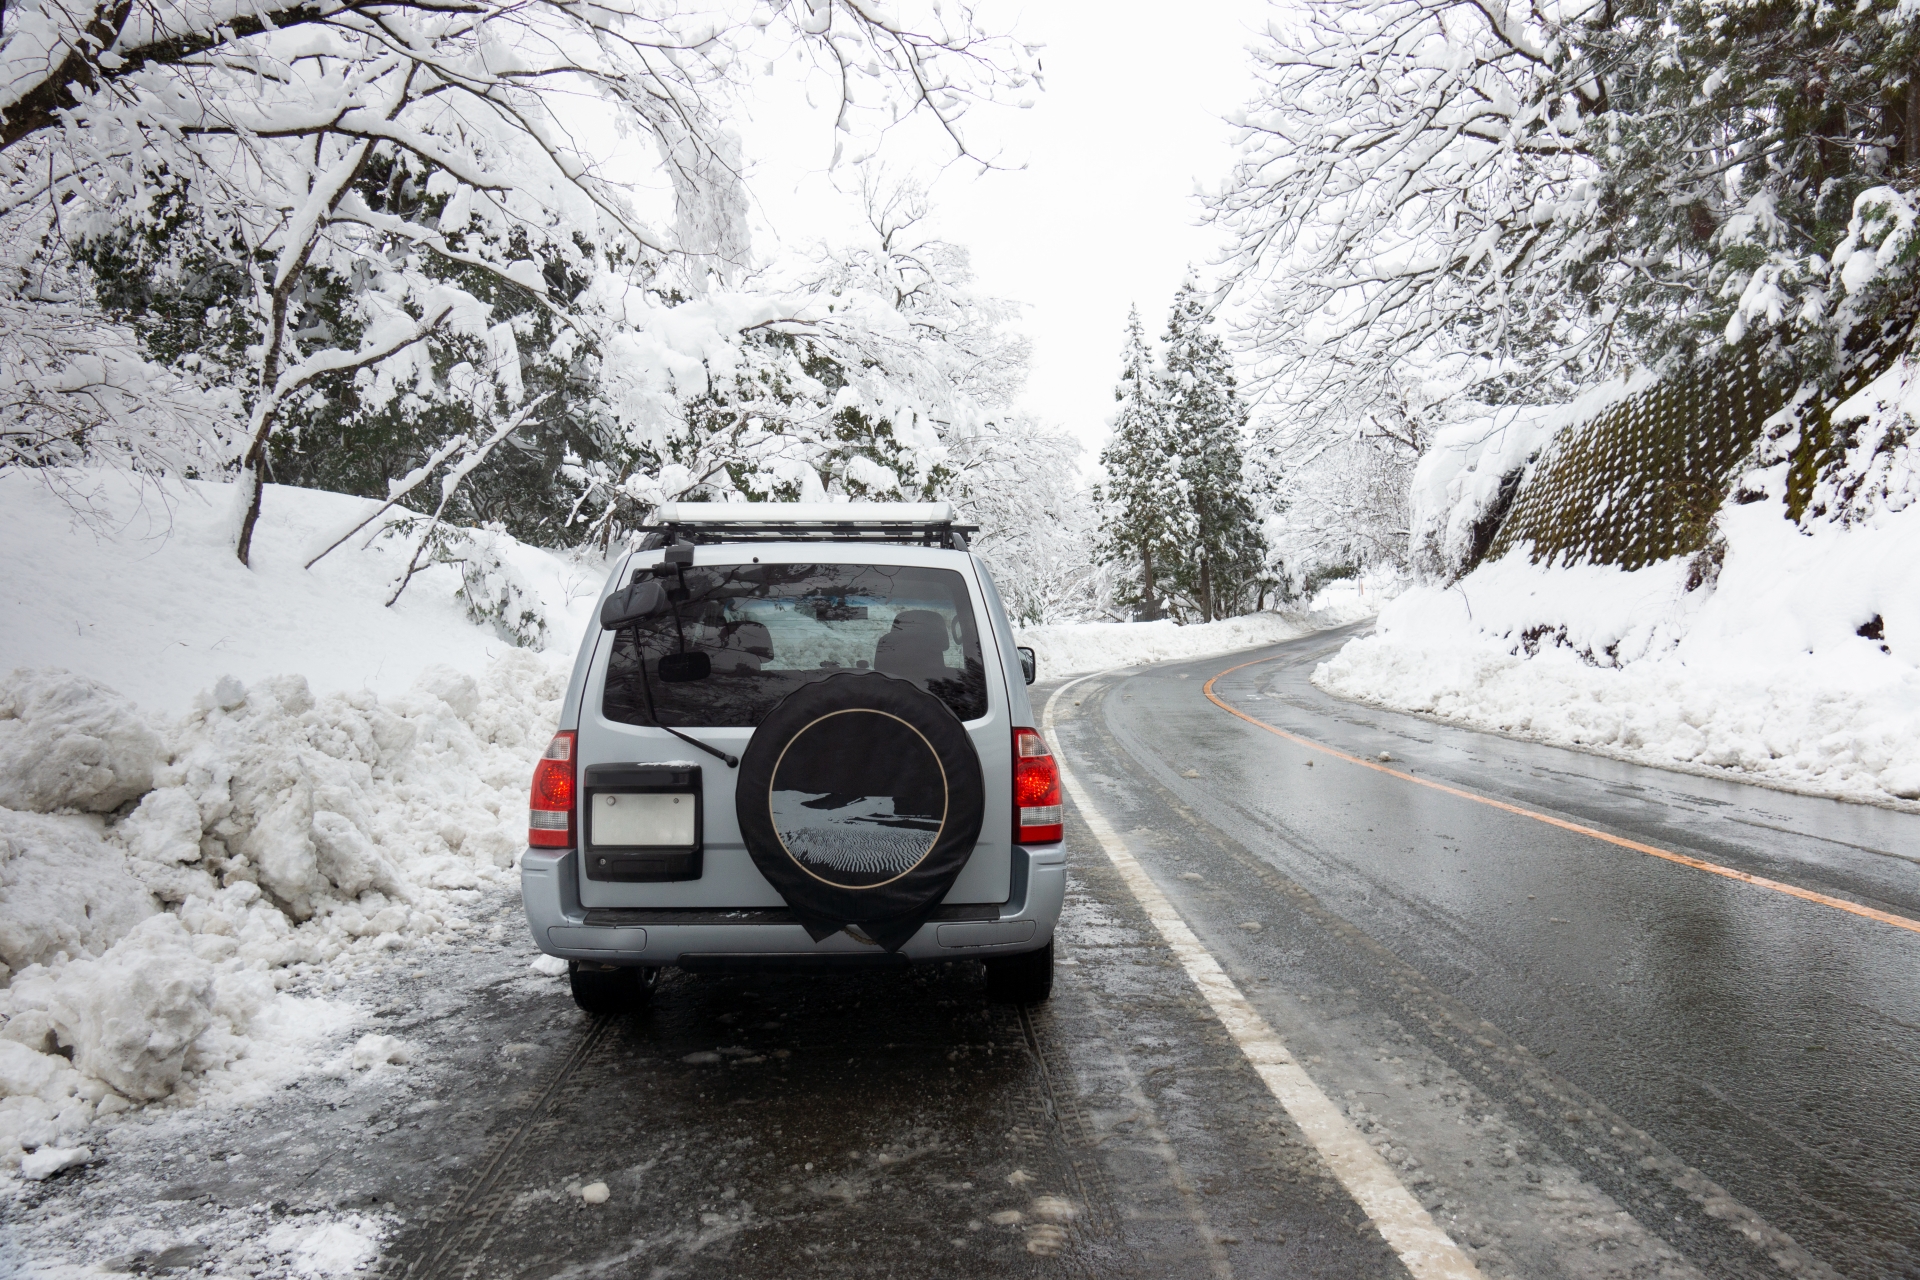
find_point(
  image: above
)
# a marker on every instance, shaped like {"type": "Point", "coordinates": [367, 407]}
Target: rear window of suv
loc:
{"type": "Point", "coordinates": [767, 629]}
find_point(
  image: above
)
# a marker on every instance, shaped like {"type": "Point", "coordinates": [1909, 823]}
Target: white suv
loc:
{"type": "Point", "coordinates": [800, 738]}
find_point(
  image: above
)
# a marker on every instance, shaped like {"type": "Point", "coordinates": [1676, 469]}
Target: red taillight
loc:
{"type": "Point", "coordinates": [1036, 790]}
{"type": "Point", "coordinates": [550, 814]}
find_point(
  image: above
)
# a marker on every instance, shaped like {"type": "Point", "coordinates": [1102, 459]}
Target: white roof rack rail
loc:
{"type": "Point", "coordinates": [789, 513]}
{"type": "Point", "coordinates": [929, 523]}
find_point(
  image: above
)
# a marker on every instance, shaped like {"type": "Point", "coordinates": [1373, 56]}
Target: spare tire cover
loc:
{"type": "Point", "coordinates": [860, 799]}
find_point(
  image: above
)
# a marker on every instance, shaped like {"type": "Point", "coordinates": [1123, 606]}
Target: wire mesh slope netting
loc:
{"type": "Point", "coordinates": [1640, 482]}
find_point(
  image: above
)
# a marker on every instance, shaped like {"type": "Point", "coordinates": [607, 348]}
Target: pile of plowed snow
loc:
{"type": "Point", "coordinates": [1798, 667]}
{"type": "Point", "coordinates": [278, 840]}
{"type": "Point", "coordinates": [187, 895]}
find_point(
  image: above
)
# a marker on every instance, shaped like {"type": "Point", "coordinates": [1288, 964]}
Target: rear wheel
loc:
{"type": "Point", "coordinates": [606, 990]}
{"type": "Point", "coordinates": [1023, 979]}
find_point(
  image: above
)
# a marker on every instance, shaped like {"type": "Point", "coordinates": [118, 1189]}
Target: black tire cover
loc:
{"type": "Point", "coordinates": [860, 799]}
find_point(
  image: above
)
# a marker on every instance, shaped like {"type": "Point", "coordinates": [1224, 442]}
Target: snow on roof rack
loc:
{"type": "Point", "coordinates": [926, 523]}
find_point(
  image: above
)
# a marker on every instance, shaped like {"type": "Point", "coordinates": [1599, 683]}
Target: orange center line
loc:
{"type": "Point", "coordinates": [1701, 864]}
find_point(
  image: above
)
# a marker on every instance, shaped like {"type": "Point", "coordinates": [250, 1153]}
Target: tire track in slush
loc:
{"type": "Point", "coordinates": [459, 1232]}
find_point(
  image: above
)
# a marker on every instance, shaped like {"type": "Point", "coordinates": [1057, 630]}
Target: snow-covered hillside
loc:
{"type": "Point", "coordinates": [146, 595]}
{"type": "Point", "coordinates": [1799, 666]}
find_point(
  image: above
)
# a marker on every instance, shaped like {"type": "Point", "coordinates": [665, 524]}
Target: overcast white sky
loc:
{"type": "Point", "coordinates": [1103, 214]}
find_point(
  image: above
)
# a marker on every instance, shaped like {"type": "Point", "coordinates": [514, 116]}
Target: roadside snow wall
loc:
{"type": "Point", "coordinates": [1752, 608]}
{"type": "Point", "coordinates": [162, 885]}
{"type": "Point", "coordinates": [1078, 648]}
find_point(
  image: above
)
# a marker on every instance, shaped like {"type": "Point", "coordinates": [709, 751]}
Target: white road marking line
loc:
{"type": "Point", "coordinates": [1428, 1252]}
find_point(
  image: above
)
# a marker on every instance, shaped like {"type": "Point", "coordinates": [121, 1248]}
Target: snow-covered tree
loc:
{"type": "Point", "coordinates": [1021, 484]}
{"type": "Point", "coordinates": [1413, 186]}
{"type": "Point", "coordinates": [1221, 558]}
{"type": "Point", "coordinates": [1737, 142]}
{"type": "Point", "coordinates": [1521, 200]}
{"type": "Point", "coordinates": [885, 371]}
{"type": "Point", "coordinates": [265, 127]}
{"type": "Point", "coordinates": [1144, 525]}
{"type": "Point", "coordinates": [1344, 508]}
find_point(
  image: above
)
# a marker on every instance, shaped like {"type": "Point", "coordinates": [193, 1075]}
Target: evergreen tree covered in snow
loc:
{"type": "Point", "coordinates": [1222, 556]}
{"type": "Point", "coordinates": [1144, 529]}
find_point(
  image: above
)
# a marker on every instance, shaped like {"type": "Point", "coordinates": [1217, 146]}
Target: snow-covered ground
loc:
{"type": "Point", "coordinates": [1799, 667]}
{"type": "Point", "coordinates": [227, 795]}
{"type": "Point", "coordinates": [1073, 649]}
{"type": "Point", "coordinates": [147, 597]}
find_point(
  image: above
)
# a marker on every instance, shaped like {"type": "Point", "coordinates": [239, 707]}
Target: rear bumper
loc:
{"type": "Point", "coordinates": [721, 939]}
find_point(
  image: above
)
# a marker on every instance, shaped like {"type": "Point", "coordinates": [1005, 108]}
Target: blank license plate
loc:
{"type": "Point", "coordinates": [625, 818]}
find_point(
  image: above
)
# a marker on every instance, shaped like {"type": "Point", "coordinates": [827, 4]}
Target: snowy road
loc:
{"type": "Point", "coordinates": [1731, 1066]}
{"type": "Point", "coordinates": [1717, 1078]}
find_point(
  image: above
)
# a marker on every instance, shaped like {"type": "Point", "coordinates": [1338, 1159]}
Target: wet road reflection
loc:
{"type": "Point", "coordinates": [1770, 1042]}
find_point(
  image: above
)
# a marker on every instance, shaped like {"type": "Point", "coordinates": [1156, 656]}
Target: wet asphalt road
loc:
{"type": "Point", "coordinates": [1769, 1043]}
{"type": "Point", "coordinates": [1584, 1061]}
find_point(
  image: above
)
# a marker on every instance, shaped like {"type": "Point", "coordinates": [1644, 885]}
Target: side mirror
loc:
{"type": "Point", "coordinates": [632, 603]}
{"type": "Point", "coordinates": [1029, 663]}
{"type": "Point", "coordinates": [683, 668]}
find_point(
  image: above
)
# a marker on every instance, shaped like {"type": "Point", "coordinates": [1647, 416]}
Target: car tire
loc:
{"type": "Point", "coordinates": [1023, 979]}
{"type": "Point", "coordinates": [609, 991]}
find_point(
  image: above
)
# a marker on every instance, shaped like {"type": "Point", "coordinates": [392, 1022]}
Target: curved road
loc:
{"type": "Point", "coordinates": [1576, 1057]}
{"type": "Point", "coordinates": [1734, 1068]}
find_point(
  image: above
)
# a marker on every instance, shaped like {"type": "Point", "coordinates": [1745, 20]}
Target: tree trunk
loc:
{"type": "Point", "coordinates": [254, 476]}
{"type": "Point", "coordinates": [1152, 603]}
{"type": "Point", "coordinates": [1913, 122]}
{"type": "Point", "coordinates": [1206, 590]}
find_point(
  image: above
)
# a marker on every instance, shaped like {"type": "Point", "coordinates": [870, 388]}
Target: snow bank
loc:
{"type": "Point", "coordinates": [1799, 666]}
{"type": "Point", "coordinates": [67, 742]}
{"type": "Point", "coordinates": [63, 887]}
{"type": "Point", "coordinates": [287, 840]}
{"type": "Point", "coordinates": [190, 879]}
{"type": "Point", "coordinates": [1078, 648]}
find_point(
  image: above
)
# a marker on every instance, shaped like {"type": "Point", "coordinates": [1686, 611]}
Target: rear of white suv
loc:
{"type": "Point", "coordinates": [637, 857]}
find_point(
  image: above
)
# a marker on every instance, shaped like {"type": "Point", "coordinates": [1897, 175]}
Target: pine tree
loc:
{"type": "Point", "coordinates": [1204, 421]}
{"type": "Point", "coordinates": [1141, 523]}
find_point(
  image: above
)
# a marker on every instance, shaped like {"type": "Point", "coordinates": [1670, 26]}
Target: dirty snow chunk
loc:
{"type": "Point", "coordinates": [333, 1249]}
{"type": "Point", "coordinates": [377, 1050]}
{"type": "Point", "coordinates": [132, 1015]}
{"type": "Point", "coordinates": [552, 966]}
{"type": "Point", "coordinates": [1054, 1209]}
{"type": "Point", "coordinates": [67, 742]}
{"type": "Point", "coordinates": [27, 1073]}
{"type": "Point", "coordinates": [702, 1058]}
{"type": "Point", "coordinates": [63, 887]}
{"type": "Point", "coordinates": [165, 828]}
{"type": "Point", "coordinates": [595, 1193]}
{"type": "Point", "coordinates": [47, 1161]}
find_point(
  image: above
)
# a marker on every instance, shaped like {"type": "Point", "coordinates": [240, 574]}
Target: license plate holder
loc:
{"type": "Point", "coordinates": [643, 823]}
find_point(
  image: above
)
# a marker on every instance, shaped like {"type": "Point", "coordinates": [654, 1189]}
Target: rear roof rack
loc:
{"type": "Point", "coordinates": [929, 524]}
